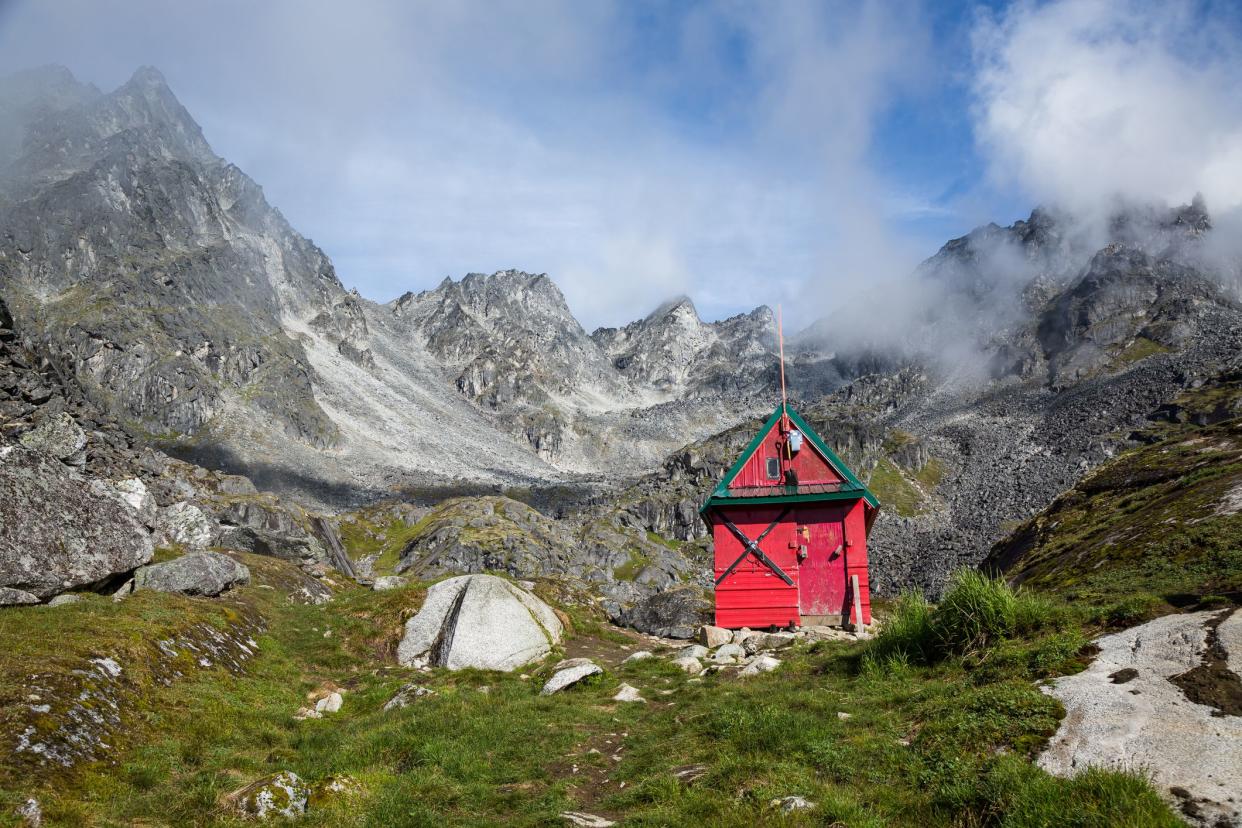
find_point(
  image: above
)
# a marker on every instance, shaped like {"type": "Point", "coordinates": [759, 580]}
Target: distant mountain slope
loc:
{"type": "Point", "coordinates": [186, 305]}
{"type": "Point", "coordinates": [1045, 349]}
{"type": "Point", "coordinates": [1161, 521]}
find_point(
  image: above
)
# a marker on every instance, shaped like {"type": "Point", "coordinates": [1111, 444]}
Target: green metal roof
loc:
{"type": "Point", "coordinates": [851, 489]}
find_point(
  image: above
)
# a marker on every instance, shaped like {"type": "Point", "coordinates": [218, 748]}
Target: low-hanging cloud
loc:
{"type": "Point", "coordinates": [1081, 102]}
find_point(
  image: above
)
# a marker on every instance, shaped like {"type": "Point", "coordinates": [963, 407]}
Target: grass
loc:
{"type": "Point", "coordinates": [376, 532]}
{"type": "Point", "coordinates": [1140, 348]}
{"type": "Point", "coordinates": [894, 490]}
{"type": "Point", "coordinates": [633, 566]}
{"type": "Point", "coordinates": [939, 737]}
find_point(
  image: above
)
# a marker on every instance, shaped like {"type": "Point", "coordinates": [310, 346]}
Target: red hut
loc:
{"type": "Point", "coordinates": [790, 524]}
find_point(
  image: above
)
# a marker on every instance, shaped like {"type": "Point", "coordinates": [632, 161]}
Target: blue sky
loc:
{"type": "Point", "coordinates": [740, 153]}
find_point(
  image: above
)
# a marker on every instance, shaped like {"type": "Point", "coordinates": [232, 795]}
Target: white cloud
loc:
{"type": "Point", "coordinates": [1081, 101]}
{"type": "Point", "coordinates": [721, 152]}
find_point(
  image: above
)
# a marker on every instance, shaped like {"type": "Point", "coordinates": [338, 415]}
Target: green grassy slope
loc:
{"type": "Point", "coordinates": [873, 741]}
{"type": "Point", "coordinates": [1158, 527]}
{"type": "Point", "coordinates": [934, 723]}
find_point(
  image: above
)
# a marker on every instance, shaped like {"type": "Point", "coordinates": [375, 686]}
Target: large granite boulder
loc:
{"type": "Point", "coordinates": [57, 532]}
{"type": "Point", "coordinates": [479, 621]}
{"type": "Point", "coordinates": [198, 573]}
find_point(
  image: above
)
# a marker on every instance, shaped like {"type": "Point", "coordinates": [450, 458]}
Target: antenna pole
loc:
{"type": "Point", "coordinates": [780, 336]}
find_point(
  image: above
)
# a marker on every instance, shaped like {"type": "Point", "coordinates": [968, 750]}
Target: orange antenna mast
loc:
{"type": "Point", "coordinates": [780, 337]}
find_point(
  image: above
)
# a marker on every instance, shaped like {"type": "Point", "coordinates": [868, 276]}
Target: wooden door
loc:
{"type": "Point", "coordinates": [749, 592]}
{"type": "Point", "coordinates": [822, 587]}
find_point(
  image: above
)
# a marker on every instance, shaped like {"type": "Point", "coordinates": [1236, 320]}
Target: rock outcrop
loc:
{"type": "Point", "coordinates": [1126, 711]}
{"type": "Point", "coordinates": [57, 532]}
{"type": "Point", "coordinates": [479, 621]}
{"type": "Point", "coordinates": [675, 613]}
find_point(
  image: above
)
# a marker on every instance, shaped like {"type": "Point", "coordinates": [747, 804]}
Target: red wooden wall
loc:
{"type": "Point", "coordinates": [808, 464]}
{"type": "Point", "coordinates": [753, 595]}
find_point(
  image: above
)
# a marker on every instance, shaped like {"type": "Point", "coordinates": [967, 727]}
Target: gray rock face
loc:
{"type": "Point", "coordinates": [183, 524]}
{"type": "Point", "coordinates": [712, 637]}
{"type": "Point", "coordinates": [676, 613]}
{"type": "Point", "coordinates": [479, 621]}
{"type": "Point", "coordinates": [134, 493]}
{"type": "Point", "coordinates": [197, 573]}
{"type": "Point", "coordinates": [122, 190]}
{"type": "Point", "coordinates": [673, 351]}
{"type": "Point", "coordinates": [58, 437]}
{"type": "Point", "coordinates": [760, 664]}
{"type": "Point", "coordinates": [56, 533]}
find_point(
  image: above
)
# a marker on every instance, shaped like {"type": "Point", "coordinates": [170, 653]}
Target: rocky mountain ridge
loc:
{"type": "Point", "coordinates": [161, 278]}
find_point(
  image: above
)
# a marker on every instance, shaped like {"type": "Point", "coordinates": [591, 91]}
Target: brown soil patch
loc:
{"type": "Point", "coordinates": [1212, 683]}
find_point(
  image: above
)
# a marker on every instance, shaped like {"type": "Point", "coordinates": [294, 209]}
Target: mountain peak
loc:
{"type": "Point", "coordinates": [147, 76]}
{"type": "Point", "coordinates": [679, 308]}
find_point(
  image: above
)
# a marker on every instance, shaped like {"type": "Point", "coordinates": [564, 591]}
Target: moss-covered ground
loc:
{"type": "Point", "coordinates": [891, 741]}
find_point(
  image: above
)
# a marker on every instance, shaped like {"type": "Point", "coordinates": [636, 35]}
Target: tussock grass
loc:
{"type": "Point", "coordinates": [977, 613]}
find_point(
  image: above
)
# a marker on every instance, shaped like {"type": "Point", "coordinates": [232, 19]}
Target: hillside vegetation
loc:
{"type": "Point", "coordinates": [934, 723]}
{"type": "Point", "coordinates": [1155, 529]}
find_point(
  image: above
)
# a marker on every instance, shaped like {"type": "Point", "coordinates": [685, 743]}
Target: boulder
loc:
{"type": "Point", "coordinates": [760, 664]}
{"type": "Point", "coordinates": [282, 795]}
{"type": "Point", "coordinates": [387, 582]}
{"type": "Point", "coordinates": [693, 651]}
{"type": "Point", "coordinates": [566, 663]}
{"type": "Point", "coordinates": [330, 703]}
{"type": "Point", "coordinates": [689, 664]}
{"type": "Point", "coordinates": [628, 693]}
{"type": "Point", "coordinates": [183, 524]}
{"type": "Point", "coordinates": [56, 533]}
{"type": "Point", "coordinates": [571, 675]}
{"type": "Point", "coordinates": [479, 621]}
{"type": "Point", "coordinates": [712, 637]}
{"type": "Point", "coordinates": [58, 437]}
{"type": "Point", "coordinates": [740, 635]}
{"type": "Point", "coordinates": [728, 654]}
{"type": "Point", "coordinates": [755, 642]}
{"type": "Point", "coordinates": [675, 613]}
{"type": "Point", "coordinates": [197, 573]}
{"type": "Point", "coordinates": [10, 597]}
